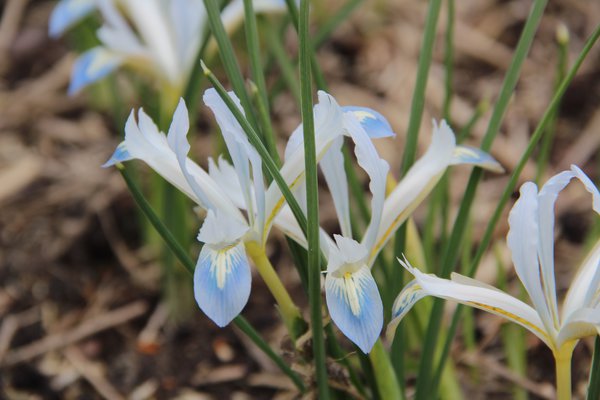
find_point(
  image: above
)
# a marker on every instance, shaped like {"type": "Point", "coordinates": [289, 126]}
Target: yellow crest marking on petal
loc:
{"type": "Point", "coordinates": [513, 317]}
{"type": "Point", "coordinates": [351, 289]}
{"type": "Point", "coordinates": [222, 264]}
{"type": "Point", "coordinates": [362, 115]}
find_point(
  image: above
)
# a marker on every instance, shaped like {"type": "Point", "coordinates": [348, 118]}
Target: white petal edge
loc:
{"type": "Point", "coordinates": [582, 323]}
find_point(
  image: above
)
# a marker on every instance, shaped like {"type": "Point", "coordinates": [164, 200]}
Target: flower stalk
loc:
{"type": "Point", "coordinates": [288, 309]}
{"type": "Point", "coordinates": [563, 370]}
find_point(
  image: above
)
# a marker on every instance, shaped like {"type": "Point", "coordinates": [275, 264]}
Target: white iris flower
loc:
{"type": "Point", "coordinates": [159, 37]}
{"type": "Point", "coordinates": [241, 210]}
{"type": "Point", "coordinates": [531, 241]}
{"type": "Point", "coordinates": [351, 293]}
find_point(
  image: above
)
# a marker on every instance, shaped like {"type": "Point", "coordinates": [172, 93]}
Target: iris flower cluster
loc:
{"type": "Point", "coordinates": [241, 209]}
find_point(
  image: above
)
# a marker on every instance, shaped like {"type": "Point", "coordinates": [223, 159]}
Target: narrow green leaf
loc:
{"type": "Point", "coordinates": [312, 201]}
{"type": "Point", "coordinates": [594, 383]}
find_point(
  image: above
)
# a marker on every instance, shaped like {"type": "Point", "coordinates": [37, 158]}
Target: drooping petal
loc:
{"type": "Point", "coordinates": [332, 165]}
{"type": "Point", "coordinates": [585, 288]}
{"type": "Point", "coordinates": [417, 183]}
{"type": "Point", "coordinates": [582, 323]}
{"type": "Point", "coordinates": [346, 256]}
{"type": "Point", "coordinates": [474, 156]}
{"type": "Point", "coordinates": [479, 296]}
{"type": "Point", "coordinates": [375, 167]}
{"type": "Point", "coordinates": [589, 186]}
{"type": "Point", "coordinates": [355, 306]}
{"type": "Point", "coordinates": [91, 66]}
{"type": "Point", "coordinates": [372, 122]}
{"type": "Point", "coordinates": [67, 13]}
{"type": "Point", "coordinates": [523, 241]}
{"type": "Point", "coordinates": [407, 298]}
{"type": "Point", "coordinates": [546, 199]}
{"type": "Point", "coordinates": [222, 282]}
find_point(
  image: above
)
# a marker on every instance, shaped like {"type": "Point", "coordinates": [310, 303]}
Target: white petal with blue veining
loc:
{"type": "Point", "coordinates": [91, 66]}
{"type": "Point", "coordinates": [372, 122]}
{"type": "Point", "coordinates": [355, 306]}
{"type": "Point", "coordinates": [67, 13]}
{"type": "Point", "coordinates": [222, 282]}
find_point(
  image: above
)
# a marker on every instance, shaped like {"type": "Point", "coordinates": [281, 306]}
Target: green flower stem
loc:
{"type": "Point", "coordinates": [387, 384]}
{"type": "Point", "coordinates": [449, 60]}
{"type": "Point", "coordinates": [330, 25]}
{"type": "Point", "coordinates": [312, 201]}
{"type": "Point", "coordinates": [510, 187]}
{"type": "Point", "coordinates": [189, 265]}
{"type": "Point", "coordinates": [562, 359]}
{"type": "Point", "coordinates": [288, 69]}
{"type": "Point", "coordinates": [289, 311]}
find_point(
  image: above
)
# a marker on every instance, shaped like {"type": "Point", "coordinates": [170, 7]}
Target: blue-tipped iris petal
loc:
{"type": "Point", "coordinates": [372, 122]}
{"type": "Point", "coordinates": [222, 282]}
{"type": "Point", "coordinates": [475, 156]}
{"type": "Point", "coordinates": [120, 155]}
{"type": "Point", "coordinates": [67, 13]}
{"type": "Point", "coordinates": [355, 306]}
{"type": "Point", "coordinates": [91, 66]}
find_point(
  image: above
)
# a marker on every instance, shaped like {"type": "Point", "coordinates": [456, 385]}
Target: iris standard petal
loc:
{"type": "Point", "coordinates": [417, 183]}
{"type": "Point", "coordinates": [91, 66]}
{"type": "Point", "coordinates": [355, 306]}
{"type": "Point", "coordinates": [585, 288]}
{"type": "Point", "coordinates": [482, 297]}
{"type": "Point", "coordinates": [67, 13]}
{"type": "Point", "coordinates": [546, 199]}
{"type": "Point", "coordinates": [375, 167]}
{"type": "Point", "coordinates": [582, 323]}
{"type": "Point", "coordinates": [523, 241]}
{"type": "Point", "coordinates": [474, 156]}
{"type": "Point", "coordinates": [222, 282]}
{"type": "Point", "coordinates": [372, 122]}
{"type": "Point", "coordinates": [332, 166]}
{"type": "Point", "coordinates": [589, 186]}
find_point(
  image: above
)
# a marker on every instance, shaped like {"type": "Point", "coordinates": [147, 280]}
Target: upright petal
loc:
{"type": "Point", "coordinates": [243, 154]}
{"type": "Point", "coordinates": [67, 13]}
{"type": "Point", "coordinates": [371, 121]}
{"type": "Point", "coordinates": [332, 165]}
{"type": "Point", "coordinates": [143, 141]}
{"type": "Point", "coordinates": [375, 167]}
{"type": "Point", "coordinates": [523, 241]}
{"type": "Point", "coordinates": [589, 186]}
{"type": "Point", "coordinates": [222, 282]}
{"type": "Point", "coordinates": [480, 296]}
{"type": "Point", "coordinates": [91, 66]}
{"type": "Point", "coordinates": [355, 306]}
{"type": "Point", "coordinates": [188, 19]}
{"type": "Point", "coordinates": [233, 14]}
{"type": "Point", "coordinates": [585, 288]}
{"type": "Point", "coordinates": [417, 183]}
{"type": "Point", "coordinates": [546, 199]}
{"type": "Point", "coordinates": [328, 126]}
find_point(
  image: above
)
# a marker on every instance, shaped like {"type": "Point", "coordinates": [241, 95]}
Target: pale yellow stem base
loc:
{"type": "Point", "coordinates": [562, 358]}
